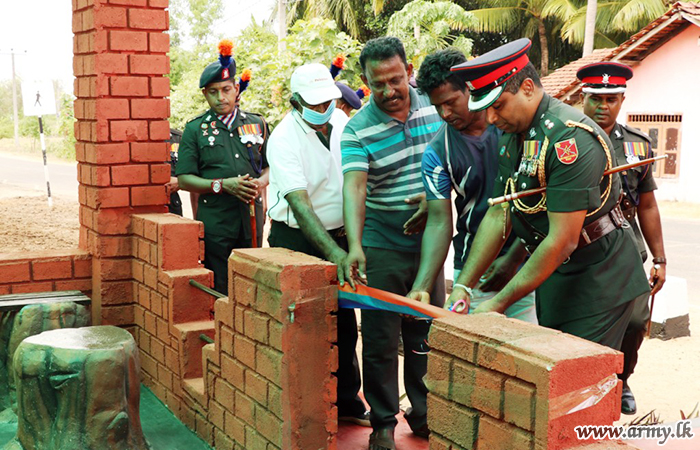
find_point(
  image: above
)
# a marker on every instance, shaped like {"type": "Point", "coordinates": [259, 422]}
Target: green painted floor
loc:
{"type": "Point", "coordinates": [161, 428]}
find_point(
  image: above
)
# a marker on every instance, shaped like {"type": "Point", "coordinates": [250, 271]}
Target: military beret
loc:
{"type": "Point", "coordinates": [487, 74]}
{"type": "Point", "coordinates": [221, 70]}
{"type": "Point", "coordinates": [604, 77]}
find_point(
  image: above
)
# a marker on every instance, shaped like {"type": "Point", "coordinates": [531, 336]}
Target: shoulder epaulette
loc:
{"type": "Point", "coordinates": [197, 117]}
{"type": "Point", "coordinates": [636, 132]}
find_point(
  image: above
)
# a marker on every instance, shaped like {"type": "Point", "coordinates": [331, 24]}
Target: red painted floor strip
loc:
{"type": "Point", "coordinates": [354, 437]}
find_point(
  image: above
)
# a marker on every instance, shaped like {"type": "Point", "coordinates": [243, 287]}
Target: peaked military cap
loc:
{"type": "Point", "coordinates": [604, 77]}
{"type": "Point", "coordinates": [487, 74]}
{"type": "Point", "coordinates": [350, 96]}
{"type": "Point", "coordinates": [221, 70]}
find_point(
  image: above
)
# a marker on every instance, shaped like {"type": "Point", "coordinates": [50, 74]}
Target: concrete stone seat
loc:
{"type": "Point", "coordinates": [78, 389]}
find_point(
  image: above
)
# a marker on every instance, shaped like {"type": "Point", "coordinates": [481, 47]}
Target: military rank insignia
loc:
{"type": "Point", "coordinates": [250, 133]}
{"type": "Point", "coordinates": [634, 151]}
{"type": "Point", "coordinates": [567, 152]}
{"type": "Point", "coordinates": [531, 157]}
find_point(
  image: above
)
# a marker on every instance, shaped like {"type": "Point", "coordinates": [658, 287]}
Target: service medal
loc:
{"type": "Point", "coordinates": [215, 132]}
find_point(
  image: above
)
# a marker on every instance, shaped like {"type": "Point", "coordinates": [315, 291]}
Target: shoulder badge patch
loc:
{"type": "Point", "coordinates": [567, 152]}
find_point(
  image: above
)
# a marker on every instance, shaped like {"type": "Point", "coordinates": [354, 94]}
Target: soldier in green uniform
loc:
{"type": "Point", "coordinates": [583, 264]}
{"type": "Point", "coordinates": [604, 86]}
{"type": "Point", "coordinates": [222, 158]}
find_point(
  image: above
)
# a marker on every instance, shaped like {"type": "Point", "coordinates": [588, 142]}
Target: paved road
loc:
{"type": "Point", "coordinates": [682, 238]}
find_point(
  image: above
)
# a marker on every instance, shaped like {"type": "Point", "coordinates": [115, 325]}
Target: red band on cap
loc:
{"type": "Point", "coordinates": [606, 79]}
{"type": "Point", "coordinates": [490, 77]}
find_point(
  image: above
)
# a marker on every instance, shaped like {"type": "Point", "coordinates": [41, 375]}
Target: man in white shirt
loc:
{"type": "Point", "coordinates": [306, 203]}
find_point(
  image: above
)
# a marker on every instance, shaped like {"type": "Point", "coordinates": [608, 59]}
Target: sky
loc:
{"type": "Point", "coordinates": [42, 28]}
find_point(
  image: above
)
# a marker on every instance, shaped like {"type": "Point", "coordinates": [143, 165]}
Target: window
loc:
{"type": "Point", "coordinates": [665, 133]}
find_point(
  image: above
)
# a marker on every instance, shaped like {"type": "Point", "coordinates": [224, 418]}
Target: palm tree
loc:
{"type": "Point", "coordinates": [504, 15]}
{"type": "Point", "coordinates": [425, 26]}
{"type": "Point", "coordinates": [615, 19]}
{"type": "Point", "coordinates": [344, 12]}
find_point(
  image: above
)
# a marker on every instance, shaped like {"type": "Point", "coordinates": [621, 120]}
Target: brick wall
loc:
{"type": "Point", "coordinates": [45, 271]}
{"type": "Point", "coordinates": [501, 383]}
{"type": "Point", "coordinates": [120, 61]}
{"type": "Point", "coordinates": [269, 382]}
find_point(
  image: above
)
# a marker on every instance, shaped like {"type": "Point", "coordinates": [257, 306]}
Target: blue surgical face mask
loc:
{"type": "Point", "coordinates": [315, 117]}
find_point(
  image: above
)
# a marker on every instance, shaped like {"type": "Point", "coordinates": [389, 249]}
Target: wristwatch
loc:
{"type": "Point", "coordinates": [659, 260]}
{"type": "Point", "coordinates": [216, 185]}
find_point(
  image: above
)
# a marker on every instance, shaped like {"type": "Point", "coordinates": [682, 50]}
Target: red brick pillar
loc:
{"type": "Point", "coordinates": [120, 49]}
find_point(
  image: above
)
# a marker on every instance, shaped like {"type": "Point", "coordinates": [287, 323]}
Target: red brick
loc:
{"type": "Point", "coordinates": [5, 289]}
{"type": "Point", "coordinates": [269, 426]}
{"type": "Point", "coordinates": [111, 198]}
{"type": "Point", "coordinates": [269, 364]}
{"type": "Point", "coordinates": [150, 151]}
{"type": "Point", "coordinates": [149, 195]}
{"type": "Point", "coordinates": [130, 175]}
{"type": "Point", "coordinates": [129, 86]}
{"type": "Point", "coordinates": [115, 153]}
{"type": "Point", "coordinates": [128, 41]}
{"type": "Point", "coordinates": [46, 286]}
{"type": "Point", "coordinates": [112, 220]}
{"type": "Point", "coordinates": [495, 434]}
{"type": "Point", "coordinates": [148, 64]}
{"type": "Point", "coordinates": [178, 243]}
{"type": "Point", "coordinates": [74, 285]}
{"type": "Point", "coordinates": [519, 404]}
{"type": "Point", "coordinates": [158, 3]}
{"type": "Point", "coordinates": [159, 130]}
{"type": "Point", "coordinates": [457, 424]}
{"type": "Point", "coordinates": [14, 272]}
{"type": "Point", "coordinates": [186, 302]}
{"type": "Point", "coordinates": [118, 315]}
{"type": "Point", "coordinates": [129, 130]}
{"type": "Point", "coordinates": [148, 19]}
{"type": "Point", "coordinates": [111, 108]}
{"type": "Point", "coordinates": [110, 17]}
{"type": "Point", "coordinates": [151, 108]}
{"type": "Point", "coordinates": [160, 87]}
{"type": "Point", "coordinates": [129, 2]}
{"type": "Point", "coordinates": [113, 63]}
{"type": "Point", "coordinates": [233, 372]}
{"type": "Point", "coordinates": [158, 42]}
{"type": "Point", "coordinates": [244, 350]}
{"type": "Point", "coordinates": [160, 174]}
{"type": "Point", "coordinates": [115, 269]}
{"type": "Point", "coordinates": [52, 269]}
{"type": "Point", "coordinates": [477, 388]}
{"type": "Point", "coordinates": [245, 408]}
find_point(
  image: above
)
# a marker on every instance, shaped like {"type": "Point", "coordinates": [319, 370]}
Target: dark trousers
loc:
{"type": "Point", "coordinates": [605, 328]}
{"type": "Point", "coordinates": [217, 249]}
{"type": "Point", "coordinates": [395, 272]}
{"type": "Point", "coordinates": [634, 335]}
{"type": "Point", "coordinates": [348, 374]}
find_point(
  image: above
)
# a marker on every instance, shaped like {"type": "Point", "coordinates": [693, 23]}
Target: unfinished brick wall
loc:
{"type": "Point", "coordinates": [120, 62]}
{"type": "Point", "coordinates": [501, 383]}
{"type": "Point", "coordinates": [269, 373]}
{"type": "Point", "coordinates": [63, 270]}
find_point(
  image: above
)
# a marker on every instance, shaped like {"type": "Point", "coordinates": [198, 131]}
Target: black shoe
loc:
{"type": "Point", "coordinates": [629, 405]}
{"type": "Point", "coordinates": [382, 439]}
{"type": "Point", "coordinates": [423, 431]}
{"type": "Point", "coordinates": [359, 419]}
{"type": "Point", "coordinates": [420, 431]}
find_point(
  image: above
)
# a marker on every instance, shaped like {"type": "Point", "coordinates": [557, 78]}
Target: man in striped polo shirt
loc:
{"type": "Point", "coordinates": [385, 211]}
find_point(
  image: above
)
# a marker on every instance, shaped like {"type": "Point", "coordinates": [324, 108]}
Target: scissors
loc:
{"type": "Point", "coordinates": [460, 307]}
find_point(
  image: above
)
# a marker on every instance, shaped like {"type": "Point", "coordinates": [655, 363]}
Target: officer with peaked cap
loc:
{"type": "Point", "coordinates": [604, 86]}
{"type": "Point", "coordinates": [222, 158]}
{"type": "Point", "coordinates": [583, 263]}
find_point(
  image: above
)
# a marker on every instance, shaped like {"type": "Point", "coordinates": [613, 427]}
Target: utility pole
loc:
{"type": "Point", "coordinates": [282, 22]}
{"type": "Point", "coordinates": [589, 33]}
{"type": "Point", "coordinates": [12, 53]}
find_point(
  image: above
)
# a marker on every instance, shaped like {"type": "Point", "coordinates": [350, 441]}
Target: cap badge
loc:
{"type": "Point", "coordinates": [224, 74]}
{"type": "Point", "coordinates": [606, 78]}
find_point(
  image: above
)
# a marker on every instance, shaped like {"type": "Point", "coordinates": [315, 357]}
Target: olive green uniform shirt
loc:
{"type": "Point", "coordinates": [631, 145]}
{"type": "Point", "coordinates": [602, 275]}
{"type": "Point", "coordinates": [210, 150]}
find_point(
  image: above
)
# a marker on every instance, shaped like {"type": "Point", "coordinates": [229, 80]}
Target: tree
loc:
{"type": "Point", "coordinates": [616, 20]}
{"type": "Point", "coordinates": [504, 15]}
{"type": "Point", "coordinates": [425, 27]}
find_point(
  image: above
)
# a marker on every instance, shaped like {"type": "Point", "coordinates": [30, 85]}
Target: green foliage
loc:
{"type": "Point", "coordinates": [65, 148]}
{"type": "Point", "coordinates": [425, 27]}
{"type": "Point", "coordinates": [317, 40]}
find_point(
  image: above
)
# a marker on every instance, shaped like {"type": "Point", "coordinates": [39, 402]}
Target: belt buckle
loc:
{"type": "Point", "coordinates": [584, 235]}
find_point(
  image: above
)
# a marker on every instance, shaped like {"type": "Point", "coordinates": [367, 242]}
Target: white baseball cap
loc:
{"type": "Point", "coordinates": [315, 84]}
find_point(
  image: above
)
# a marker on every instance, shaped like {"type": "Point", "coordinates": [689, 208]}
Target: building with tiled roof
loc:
{"type": "Point", "coordinates": [663, 97]}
